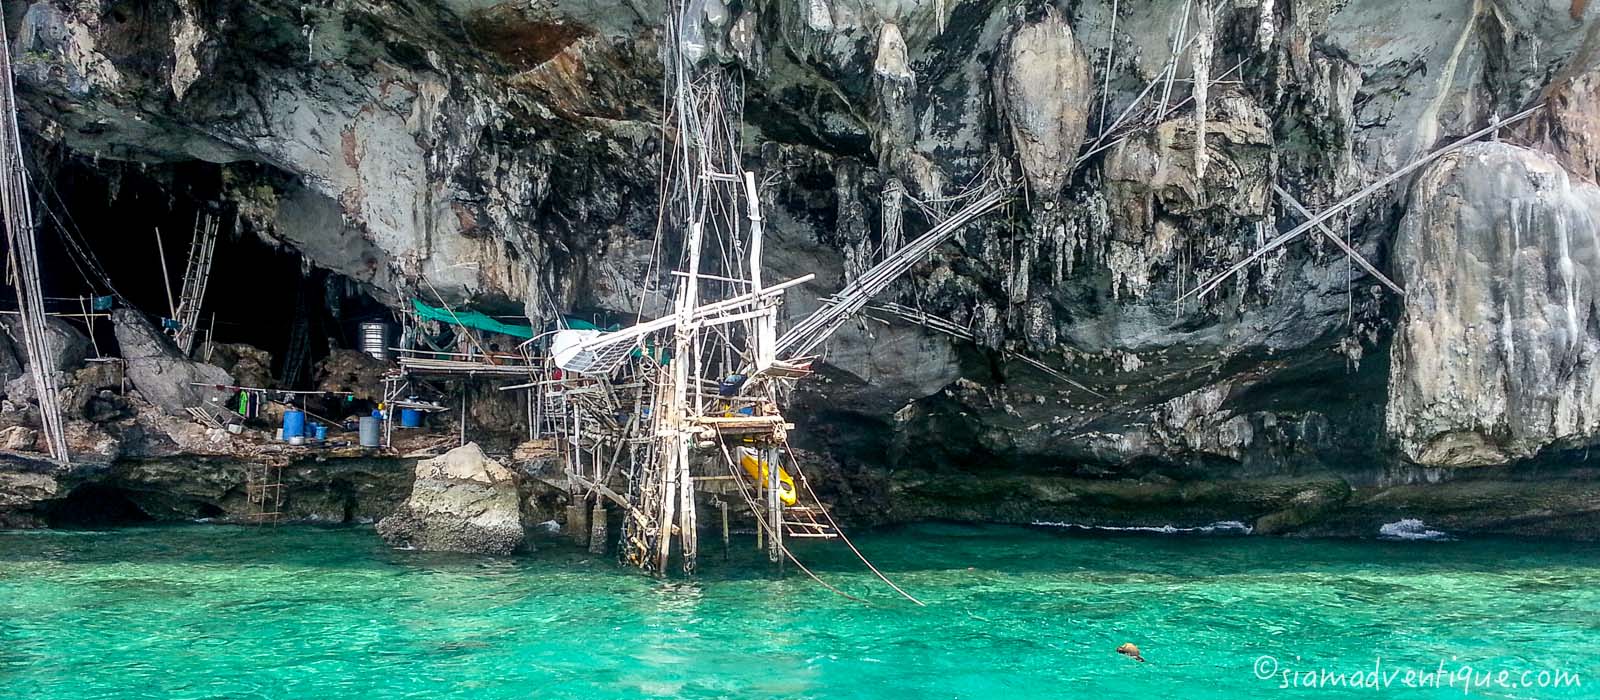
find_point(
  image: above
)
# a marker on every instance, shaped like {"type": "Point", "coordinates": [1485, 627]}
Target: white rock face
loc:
{"type": "Point", "coordinates": [1046, 93]}
{"type": "Point", "coordinates": [1495, 355]}
{"type": "Point", "coordinates": [461, 501]}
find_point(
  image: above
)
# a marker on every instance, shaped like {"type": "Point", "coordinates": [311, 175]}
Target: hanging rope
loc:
{"type": "Point", "coordinates": [761, 522]}
{"type": "Point", "coordinates": [836, 528]}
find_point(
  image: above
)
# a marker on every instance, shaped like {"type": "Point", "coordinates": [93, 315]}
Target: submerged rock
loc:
{"type": "Point", "coordinates": [462, 501]}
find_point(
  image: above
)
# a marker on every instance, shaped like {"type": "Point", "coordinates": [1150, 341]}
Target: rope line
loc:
{"type": "Point", "coordinates": [790, 453]}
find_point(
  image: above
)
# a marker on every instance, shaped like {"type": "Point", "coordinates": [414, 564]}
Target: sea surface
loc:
{"type": "Point", "coordinates": [208, 611]}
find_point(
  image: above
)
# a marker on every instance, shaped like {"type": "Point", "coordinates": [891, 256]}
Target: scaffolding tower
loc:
{"type": "Point", "coordinates": [24, 262]}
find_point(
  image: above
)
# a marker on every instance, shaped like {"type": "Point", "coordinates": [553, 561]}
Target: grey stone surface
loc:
{"type": "Point", "coordinates": [461, 501]}
{"type": "Point", "coordinates": [1497, 355]}
{"type": "Point", "coordinates": [1043, 86]}
{"type": "Point", "coordinates": [159, 372]}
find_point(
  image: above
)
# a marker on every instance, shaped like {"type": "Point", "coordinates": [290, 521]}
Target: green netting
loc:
{"type": "Point", "coordinates": [470, 319]}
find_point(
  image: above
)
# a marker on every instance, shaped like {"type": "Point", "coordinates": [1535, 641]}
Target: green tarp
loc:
{"type": "Point", "coordinates": [471, 319]}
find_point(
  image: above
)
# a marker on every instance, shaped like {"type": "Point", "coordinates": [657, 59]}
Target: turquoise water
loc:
{"type": "Point", "coordinates": [230, 612]}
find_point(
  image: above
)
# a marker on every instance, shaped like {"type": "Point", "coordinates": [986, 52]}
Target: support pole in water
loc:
{"type": "Point", "coordinates": [723, 506]}
{"type": "Point", "coordinates": [598, 528]}
{"type": "Point", "coordinates": [774, 506]}
{"type": "Point", "coordinates": [578, 519]}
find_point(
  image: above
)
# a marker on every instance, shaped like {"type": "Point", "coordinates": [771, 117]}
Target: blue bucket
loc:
{"type": "Point", "coordinates": [294, 424]}
{"type": "Point", "coordinates": [321, 431]}
{"type": "Point", "coordinates": [410, 418]}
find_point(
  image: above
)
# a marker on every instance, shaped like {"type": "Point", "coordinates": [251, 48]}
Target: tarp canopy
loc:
{"type": "Point", "coordinates": [471, 319]}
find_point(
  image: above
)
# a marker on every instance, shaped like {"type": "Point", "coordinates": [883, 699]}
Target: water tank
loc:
{"type": "Point", "coordinates": [294, 424]}
{"type": "Point", "coordinates": [370, 434]}
{"type": "Point", "coordinates": [375, 339]}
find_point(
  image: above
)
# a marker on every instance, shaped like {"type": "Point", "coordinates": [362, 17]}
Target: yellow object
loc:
{"type": "Point", "coordinates": [757, 469]}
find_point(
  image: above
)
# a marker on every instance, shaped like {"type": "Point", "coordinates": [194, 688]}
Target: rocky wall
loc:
{"type": "Point", "coordinates": [506, 153]}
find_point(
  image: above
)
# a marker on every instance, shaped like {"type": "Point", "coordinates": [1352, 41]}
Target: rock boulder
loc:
{"type": "Point", "coordinates": [156, 368]}
{"type": "Point", "coordinates": [1497, 355]}
{"type": "Point", "coordinates": [66, 345]}
{"type": "Point", "coordinates": [461, 501]}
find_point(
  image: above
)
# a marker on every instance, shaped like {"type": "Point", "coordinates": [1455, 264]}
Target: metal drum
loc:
{"type": "Point", "coordinates": [375, 340]}
{"type": "Point", "coordinates": [370, 431]}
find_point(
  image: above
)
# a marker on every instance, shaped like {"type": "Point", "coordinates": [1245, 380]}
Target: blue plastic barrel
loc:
{"type": "Point", "coordinates": [410, 418]}
{"type": "Point", "coordinates": [321, 431]}
{"type": "Point", "coordinates": [294, 424]}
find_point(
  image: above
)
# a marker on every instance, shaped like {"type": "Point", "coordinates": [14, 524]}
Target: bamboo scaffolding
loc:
{"type": "Point", "coordinates": [1284, 238]}
{"type": "Point", "coordinates": [815, 329]}
{"type": "Point", "coordinates": [24, 262]}
{"type": "Point", "coordinates": [1327, 233]}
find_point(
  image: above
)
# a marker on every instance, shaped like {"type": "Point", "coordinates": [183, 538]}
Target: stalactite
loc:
{"type": "Point", "coordinates": [819, 16]}
{"type": "Point", "coordinates": [745, 41]}
{"type": "Point", "coordinates": [1045, 94]}
{"type": "Point", "coordinates": [1061, 252]}
{"type": "Point", "coordinates": [892, 204]}
{"type": "Point", "coordinates": [1202, 76]}
{"type": "Point", "coordinates": [1022, 260]}
{"type": "Point", "coordinates": [851, 221]}
{"type": "Point", "coordinates": [1267, 29]}
{"type": "Point", "coordinates": [1039, 325]}
{"type": "Point", "coordinates": [895, 88]}
{"type": "Point", "coordinates": [990, 328]}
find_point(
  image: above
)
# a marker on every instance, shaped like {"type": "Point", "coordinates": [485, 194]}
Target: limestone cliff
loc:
{"type": "Point", "coordinates": [507, 153]}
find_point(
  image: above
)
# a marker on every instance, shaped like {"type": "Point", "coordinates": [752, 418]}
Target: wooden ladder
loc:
{"type": "Point", "coordinates": [802, 521]}
{"type": "Point", "coordinates": [196, 277]}
{"type": "Point", "coordinates": [264, 490]}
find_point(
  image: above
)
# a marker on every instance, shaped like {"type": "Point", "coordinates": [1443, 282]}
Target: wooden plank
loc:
{"type": "Point", "coordinates": [739, 421]}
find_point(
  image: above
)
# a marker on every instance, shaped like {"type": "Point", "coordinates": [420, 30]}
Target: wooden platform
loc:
{"type": "Point", "coordinates": [744, 425]}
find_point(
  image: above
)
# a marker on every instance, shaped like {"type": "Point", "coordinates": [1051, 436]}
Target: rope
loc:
{"type": "Point", "coordinates": [749, 500]}
{"type": "Point", "coordinates": [836, 528]}
{"type": "Point", "coordinates": [77, 242]}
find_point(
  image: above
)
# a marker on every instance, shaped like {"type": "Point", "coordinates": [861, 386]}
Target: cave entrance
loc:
{"type": "Point", "coordinates": [96, 505]}
{"type": "Point", "coordinates": [107, 227]}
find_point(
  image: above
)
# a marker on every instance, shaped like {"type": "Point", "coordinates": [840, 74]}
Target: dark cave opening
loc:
{"type": "Point", "coordinates": [100, 222]}
{"type": "Point", "coordinates": [96, 505]}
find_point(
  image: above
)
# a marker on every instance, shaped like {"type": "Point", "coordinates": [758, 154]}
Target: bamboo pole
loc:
{"type": "Point", "coordinates": [722, 506]}
{"type": "Point", "coordinates": [166, 281]}
{"type": "Point", "coordinates": [1330, 235]}
{"type": "Point", "coordinates": [1284, 238]}
{"type": "Point", "coordinates": [23, 254]}
{"type": "Point", "coordinates": [774, 504]}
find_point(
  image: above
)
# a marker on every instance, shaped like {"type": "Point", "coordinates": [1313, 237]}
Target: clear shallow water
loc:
{"type": "Point", "coordinates": [213, 612]}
